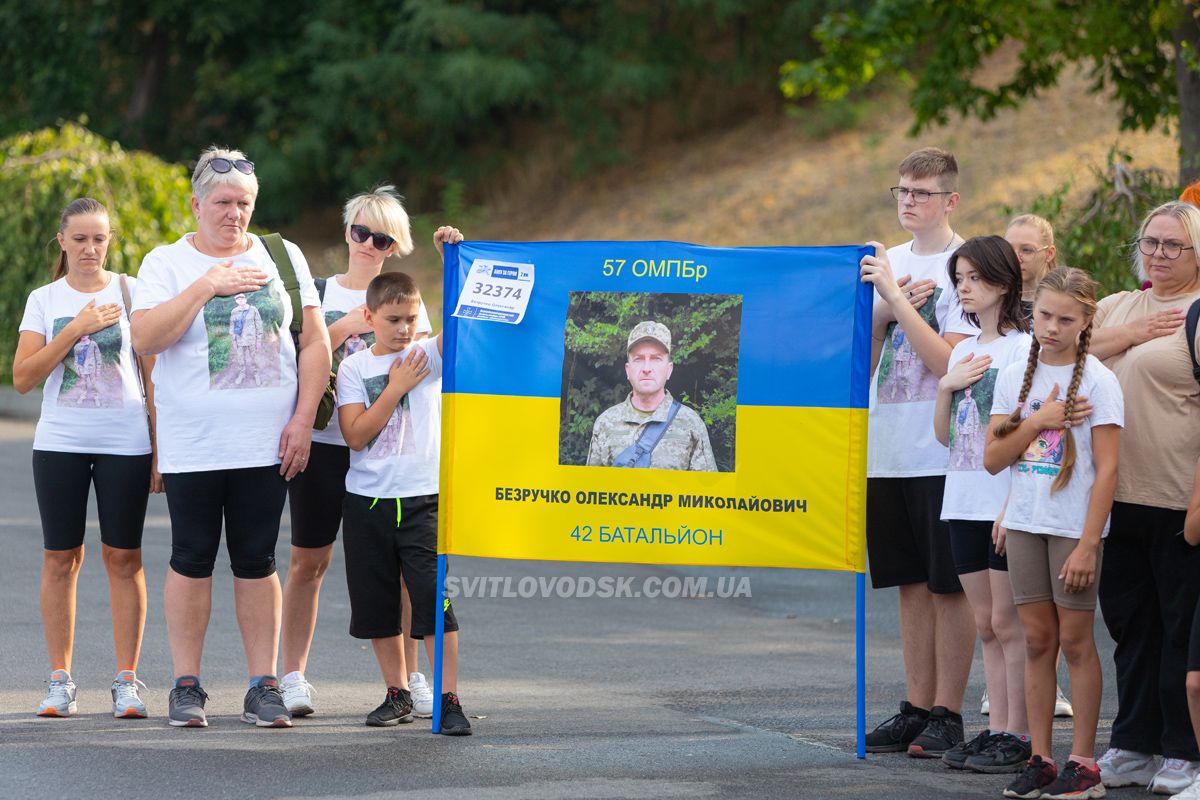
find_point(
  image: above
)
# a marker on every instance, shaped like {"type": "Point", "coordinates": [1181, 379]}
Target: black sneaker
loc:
{"type": "Point", "coordinates": [454, 721]}
{"type": "Point", "coordinates": [186, 703]}
{"type": "Point", "coordinates": [395, 708]}
{"type": "Point", "coordinates": [895, 734]}
{"type": "Point", "coordinates": [941, 733]}
{"type": "Point", "coordinates": [264, 705]}
{"type": "Point", "coordinates": [1075, 782]}
{"type": "Point", "coordinates": [1004, 753]}
{"type": "Point", "coordinates": [957, 756]}
{"type": "Point", "coordinates": [1037, 775]}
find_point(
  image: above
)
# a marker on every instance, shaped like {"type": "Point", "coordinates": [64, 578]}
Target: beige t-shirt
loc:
{"type": "Point", "coordinates": [1161, 440]}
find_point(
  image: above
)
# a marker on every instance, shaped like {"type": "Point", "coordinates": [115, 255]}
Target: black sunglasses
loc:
{"type": "Point", "coordinates": [223, 165]}
{"type": "Point", "coordinates": [360, 233]}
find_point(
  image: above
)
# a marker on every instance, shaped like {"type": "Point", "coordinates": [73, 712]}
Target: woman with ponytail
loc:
{"type": "Point", "coordinates": [1151, 580]}
{"type": "Point", "coordinates": [1063, 472]}
{"type": "Point", "coordinates": [92, 431]}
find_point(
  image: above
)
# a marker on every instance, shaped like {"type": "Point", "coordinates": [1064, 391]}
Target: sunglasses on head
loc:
{"type": "Point", "coordinates": [360, 233]}
{"type": "Point", "coordinates": [223, 165]}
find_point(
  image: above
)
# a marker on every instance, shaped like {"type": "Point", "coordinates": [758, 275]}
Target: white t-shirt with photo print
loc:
{"type": "Point", "coordinates": [1032, 507]}
{"type": "Point", "coordinates": [336, 303]}
{"type": "Point", "coordinates": [403, 459]}
{"type": "Point", "coordinates": [972, 493]}
{"type": "Point", "coordinates": [225, 390]}
{"type": "Point", "coordinates": [92, 401]}
{"type": "Point", "coordinates": [900, 438]}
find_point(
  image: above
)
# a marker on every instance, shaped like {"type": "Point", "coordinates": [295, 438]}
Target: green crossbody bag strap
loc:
{"type": "Point", "coordinates": [287, 274]}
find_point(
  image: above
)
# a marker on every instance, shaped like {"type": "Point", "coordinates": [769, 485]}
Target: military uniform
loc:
{"type": "Point", "coordinates": [684, 445]}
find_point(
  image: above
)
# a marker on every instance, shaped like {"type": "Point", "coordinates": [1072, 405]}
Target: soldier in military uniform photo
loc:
{"type": "Point", "coordinates": [650, 428]}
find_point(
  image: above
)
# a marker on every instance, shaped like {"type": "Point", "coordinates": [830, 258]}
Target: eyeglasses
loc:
{"type": "Point", "coordinates": [1170, 250]}
{"type": "Point", "coordinates": [918, 195]}
{"type": "Point", "coordinates": [223, 165]}
{"type": "Point", "coordinates": [360, 233]}
{"type": "Point", "coordinates": [1029, 251]}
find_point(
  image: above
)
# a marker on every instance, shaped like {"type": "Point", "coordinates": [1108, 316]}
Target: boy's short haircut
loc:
{"type": "Point", "coordinates": [932, 162]}
{"type": "Point", "coordinates": [391, 287]}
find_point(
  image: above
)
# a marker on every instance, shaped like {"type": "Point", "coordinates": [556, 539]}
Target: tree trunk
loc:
{"type": "Point", "coordinates": [1187, 82]}
{"type": "Point", "coordinates": [147, 84]}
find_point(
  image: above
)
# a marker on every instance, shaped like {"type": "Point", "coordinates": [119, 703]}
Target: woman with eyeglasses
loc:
{"type": "Point", "coordinates": [376, 228]}
{"type": "Point", "coordinates": [232, 429]}
{"type": "Point", "coordinates": [1150, 580]}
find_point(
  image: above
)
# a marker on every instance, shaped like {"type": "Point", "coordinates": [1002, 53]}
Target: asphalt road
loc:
{"type": "Point", "coordinates": [573, 698]}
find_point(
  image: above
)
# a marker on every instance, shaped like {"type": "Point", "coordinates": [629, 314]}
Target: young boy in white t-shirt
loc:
{"type": "Point", "coordinates": [390, 413]}
{"type": "Point", "coordinates": [917, 320]}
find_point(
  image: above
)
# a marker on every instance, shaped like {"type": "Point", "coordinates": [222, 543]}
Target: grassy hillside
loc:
{"type": "Point", "coordinates": [770, 181]}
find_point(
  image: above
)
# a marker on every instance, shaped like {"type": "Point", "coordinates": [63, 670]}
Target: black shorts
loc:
{"type": "Point", "coordinates": [384, 540]}
{"type": "Point", "coordinates": [61, 482]}
{"type": "Point", "coordinates": [1193, 659]}
{"type": "Point", "coordinates": [315, 496]}
{"type": "Point", "coordinates": [972, 547]}
{"type": "Point", "coordinates": [907, 542]}
{"type": "Point", "coordinates": [249, 500]}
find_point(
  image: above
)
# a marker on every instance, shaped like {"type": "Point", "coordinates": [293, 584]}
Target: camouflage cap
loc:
{"type": "Point", "coordinates": [649, 330]}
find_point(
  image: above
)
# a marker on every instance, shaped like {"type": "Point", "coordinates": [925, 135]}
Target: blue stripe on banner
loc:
{"type": "Point", "coordinates": [798, 342]}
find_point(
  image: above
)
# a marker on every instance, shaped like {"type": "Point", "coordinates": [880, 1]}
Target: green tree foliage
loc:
{"type": "Point", "coordinates": [41, 172]}
{"type": "Point", "coordinates": [329, 98]}
{"type": "Point", "coordinates": [1142, 51]}
{"type": "Point", "coordinates": [704, 349]}
{"type": "Point", "coordinates": [1097, 232]}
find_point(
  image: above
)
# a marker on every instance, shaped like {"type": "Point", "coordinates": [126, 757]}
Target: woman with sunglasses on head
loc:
{"type": "Point", "coordinates": [232, 429]}
{"type": "Point", "coordinates": [376, 228]}
{"type": "Point", "coordinates": [1150, 580]}
{"type": "Point", "coordinates": [93, 431]}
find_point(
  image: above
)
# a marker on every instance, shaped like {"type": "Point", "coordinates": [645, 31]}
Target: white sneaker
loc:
{"type": "Point", "coordinates": [1126, 768]}
{"type": "Point", "coordinates": [126, 703]}
{"type": "Point", "coordinates": [297, 694]}
{"type": "Point", "coordinates": [422, 696]}
{"type": "Point", "coordinates": [1062, 706]}
{"type": "Point", "coordinates": [985, 707]}
{"type": "Point", "coordinates": [1175, 775]}
{"type": "Point", "coordinates": [1190, 793]}
{"type": "Point", "coordinates": [60, 696]}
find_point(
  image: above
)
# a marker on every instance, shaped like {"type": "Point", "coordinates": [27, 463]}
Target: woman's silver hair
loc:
{"type": "Point", "coordinates": [205, 179]}
{"type": "Point", "coordinates": [1188, 216]}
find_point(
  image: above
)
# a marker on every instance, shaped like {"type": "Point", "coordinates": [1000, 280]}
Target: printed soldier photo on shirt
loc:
{"type": "Point", "coordinates": [353, 343]}
{"type": "Point", "coordinates": [650, 381]}
{"type": "Point", "coordinates": [902, 375]}
{"type": "Point", "coordinates": [396, 438]}
{"type": "Point", "coordinates": [91, 374]}
{"type": "Point", "coordinates": [243, 338]}
{"type": "Point", "coordinates": [971, 408]}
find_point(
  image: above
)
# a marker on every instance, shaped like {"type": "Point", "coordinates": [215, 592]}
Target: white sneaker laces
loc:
{"type": "Point", "coordinates": [128, 690]}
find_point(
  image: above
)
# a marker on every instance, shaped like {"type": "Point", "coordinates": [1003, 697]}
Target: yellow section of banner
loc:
{"type": "Point", "coordinates": [796, 499]}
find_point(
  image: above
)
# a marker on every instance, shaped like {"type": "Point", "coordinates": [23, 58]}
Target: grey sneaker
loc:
{"type": "Point", "coordinates": [60, 696]}
{"type": "Point", "coordinates": [126, 703]}
{"type": "Point", "coordinates": [186, 704]}
{"type": "Point", "coordinates": [264, 705]}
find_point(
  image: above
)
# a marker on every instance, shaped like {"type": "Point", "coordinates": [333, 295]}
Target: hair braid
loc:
{"type": "Point", "coordinates": [1014, 420]}
{"type": "Point", "coordinates": [1068, 438]}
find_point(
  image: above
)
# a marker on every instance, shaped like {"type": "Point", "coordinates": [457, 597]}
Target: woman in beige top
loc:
{"type": "Point", "coordinates": [1150, 581]}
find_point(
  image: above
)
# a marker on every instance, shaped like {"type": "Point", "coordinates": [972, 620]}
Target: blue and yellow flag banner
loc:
{"type": "Point", "coordinates": [656, 403]}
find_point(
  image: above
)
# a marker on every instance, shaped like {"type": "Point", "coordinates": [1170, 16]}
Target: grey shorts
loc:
{"type": "Point", "coordinates": [1034, 563]}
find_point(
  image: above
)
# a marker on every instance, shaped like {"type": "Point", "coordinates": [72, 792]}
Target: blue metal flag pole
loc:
{"type": "Point", "coordinates": [438, 631]}
{"type": "Point", "coordinates": [860, 659]}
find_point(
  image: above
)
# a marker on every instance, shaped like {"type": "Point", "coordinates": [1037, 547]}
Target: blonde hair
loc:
{"type": "Point", "coordinates": [78, 207]}
{"type": "Point", "coordinates": [1078, 285]}
{"type": "Point", "coordinates": [1188, 216]}
{"type": "Point", "coordinates": [204, 179]}
{"type": "Point", "coordinates": [1045, 232]}
{"type": "Point", "coordinates": [932, 162]}
{"type": "Point", "coordinates": [382, 209]}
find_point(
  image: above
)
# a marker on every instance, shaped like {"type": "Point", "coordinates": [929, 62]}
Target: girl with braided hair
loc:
{"type": "Point", "coordinates": [1063, 472]}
